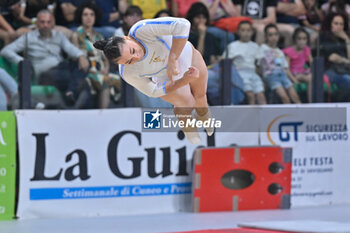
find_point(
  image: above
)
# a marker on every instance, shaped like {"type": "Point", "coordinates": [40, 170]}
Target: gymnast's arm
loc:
{"type": "Point", "coordinates": [152, 89]}
{"type": "Point", "coordinates": [178, 28]}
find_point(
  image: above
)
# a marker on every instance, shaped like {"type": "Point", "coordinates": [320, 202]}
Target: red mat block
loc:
{"type": "Point", "coordinates": [241, 178]}
{"type": "Point", "coordinates": [235, 230]}
{"type": "Point", "coordinates": [251, 230]}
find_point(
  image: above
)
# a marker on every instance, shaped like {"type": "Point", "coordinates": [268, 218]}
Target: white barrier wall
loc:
{"type": "Point", "coordinates": [95, 163]}
{"type": "Point", "coordinates": [92, 163]}
{"type": "Point", "coordinates": [319, 137]}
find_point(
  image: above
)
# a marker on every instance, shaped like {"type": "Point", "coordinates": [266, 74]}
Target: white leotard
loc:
{"type": "Point", "coordinates": [150, 74]}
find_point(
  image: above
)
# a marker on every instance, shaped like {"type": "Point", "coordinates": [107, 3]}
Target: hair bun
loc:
{"type": "Point", "coordinates": [100, 44]}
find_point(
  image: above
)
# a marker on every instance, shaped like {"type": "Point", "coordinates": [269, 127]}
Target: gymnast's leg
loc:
{"type": "Point", "coordinates": [184, 103]}
{"type": "Point", "coordinates": [199, 90]}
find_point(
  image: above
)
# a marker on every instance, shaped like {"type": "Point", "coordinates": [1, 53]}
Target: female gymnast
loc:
{"type": "Point", "coordinates": [157, 59]}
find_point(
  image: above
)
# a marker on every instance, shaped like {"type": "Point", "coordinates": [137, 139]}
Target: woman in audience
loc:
{"type": "Point", "coordinates": [99, 78]}
{"type": "Point", "coordinates": [335, 46]}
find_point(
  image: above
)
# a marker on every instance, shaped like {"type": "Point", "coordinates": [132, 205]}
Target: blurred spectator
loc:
{"type": "Point", "coordinates": [30, 8]}
{"type": "Point", "coordinates": [163, 13]}
{"type": "Point", "coordinates": [132, 15]}
{"type": "Point", "coordinates": [261, 12]}
{"type": "Point", "coordinates": [313, 17]}
{"type": "Point", "coordinates": [299, 59]}
{"type": "Point", "coordinates": [201, 39]}
{"type": "Point", "coordinates": [27, 16]}
{"type": "Point", "coordinates": [179, 8]}
{"type": "Point", "coordinates": [110, 20]}
{"type": "Point", "coordinates": [149, 8]}
{"type": "Point", "coordinates": [10, 10]}
{"type": "Point", "coordinates": [7, 33]}
{"type": "Point", "coordinates": [8, 88]}
{"type": "Point", "coordinates": [221, 9]}
{"type": "Point", "coordinates": [274, 67]}
{"type": "Point", "coordinates": [336, 6]}
{"type": "Point", "coordinates": [335, 46]}
{"type": "Point", "coordinates": [244, 55]}
{"type": "Point", "coordinates": [65, 11]}
{"type": "Point", "coordinates": [99, 78]}
{"type": "Point", "coordinates": [207, 45]}
{"type": "Point", "coordinates": [43, 47]}
{"type": "Point", "coordinates": [288, 13]}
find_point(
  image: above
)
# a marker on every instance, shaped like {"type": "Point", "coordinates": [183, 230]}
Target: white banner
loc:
{"type": "Point", "coordinates": [94, 163]}
{"type": "Point", "coordinates": [319, 137]}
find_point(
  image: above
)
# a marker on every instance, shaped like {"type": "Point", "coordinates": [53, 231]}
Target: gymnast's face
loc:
{"type": "Point", "coordinates": [131, 52]}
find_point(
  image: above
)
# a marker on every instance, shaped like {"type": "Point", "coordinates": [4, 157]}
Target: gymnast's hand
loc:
{"type": "Point", "coordinates": [173, 68]}
{"type": "Point", "coordinates": [191, 74]}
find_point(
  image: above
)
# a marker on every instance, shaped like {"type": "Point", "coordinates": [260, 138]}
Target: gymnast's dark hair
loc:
{"type": "Point", "coordinates": [110, 47]}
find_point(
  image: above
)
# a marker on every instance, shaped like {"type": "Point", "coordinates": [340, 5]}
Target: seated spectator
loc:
{"type": "Point", "coordinates": [132, 15]}
{"type": "Point", "coordinates": [299, 59]}
{"type": "Point", "coordinates": [7, 33]}
{"type": "Point", "coordinates": [335, 46]}
{"type": "Point", "coordinates": [288, 13]}
{"type": "Point", "coordinates": [8, 88]}
{"type": "Point", "coordinates": [110, 20]}
{"type": "Point", "coordinates": [179, 8]}
{"type": "Point", "coordinates": [10, 10]}
{"type": "Point", "coordinates": [149, 8]}
{"type": "Point", "coordinates": [30, 8]}
{"type": "Point", "coordinates": [261, 12]}
{"type": "Point", "coordinates": [207, 45]}
{"type": "Point", "coordinates": [43, 47]}
{"type": "Point", "coordinates": [27, 16]}
{"type": "Point", "coordinates": [99, 78]}
{"type": "Point", "coordinates": [274, 67]}
{"type": "Point", "coordinates": [201, 39]}
{"type": "Point", "coordinates": [244, 55]}
{"type": "Point", "coordinates": [336, 6]}
{"type": "Point", "coordinates": [221, 9]}
{"type": "Point", "coordinates": [163, 13]}
{"type": "Point", "coordinates": [313, 17]}
{"type": "Point", "coordinates": [65, 12]}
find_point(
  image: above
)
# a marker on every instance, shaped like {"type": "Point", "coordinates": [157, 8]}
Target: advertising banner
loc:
{"type": "Point", "coordinates": [99, 163]}
{"type": "Point", "coordinates": [7, 165]}
{"type": "Point", "coordinates": [319, 137]}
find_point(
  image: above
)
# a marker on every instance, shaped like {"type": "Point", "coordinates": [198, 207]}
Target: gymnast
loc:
{"type": "Point", "coordinates": [157, 59]}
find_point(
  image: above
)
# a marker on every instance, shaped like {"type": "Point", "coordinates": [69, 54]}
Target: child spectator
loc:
{"type": "Point", "coordinates": [299, 59]}
{"type": "Point", "coordinates": [244, 55]}
{"type": "Point", "coordinates": [274, 67]}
